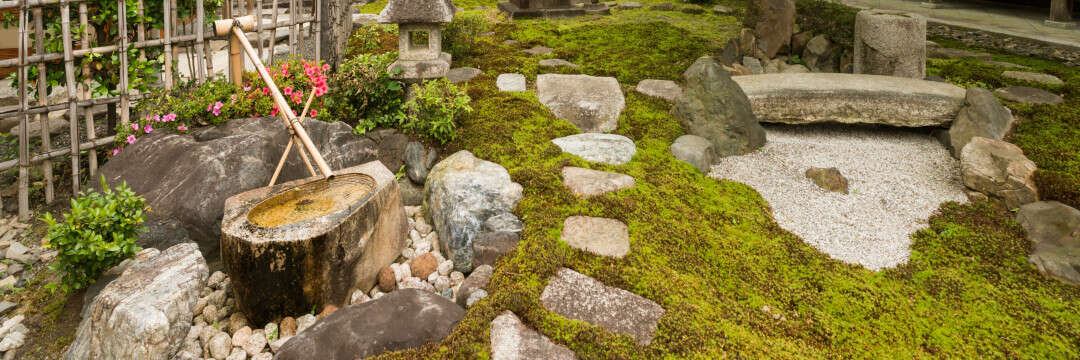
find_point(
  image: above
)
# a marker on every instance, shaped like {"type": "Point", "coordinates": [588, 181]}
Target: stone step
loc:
{"type": "Point", "coordinates": [587, 183]}
{"type": "Point", "coordinates": [602, 148]}
{"type": "Point", "coordinates": [600, 236]}
{"type": "Point", "coordinates": [579, 297]}
{"type": "Point", "coordinates": [511, 340]}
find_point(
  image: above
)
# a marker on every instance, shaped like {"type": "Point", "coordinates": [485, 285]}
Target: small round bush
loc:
{"type": "Point", "coordinates": [98, 233]}
{"type": "Point", "coordinates": [433, 108]}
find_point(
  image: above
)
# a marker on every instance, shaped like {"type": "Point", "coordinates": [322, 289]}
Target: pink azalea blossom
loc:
{"type": "Point", "coordinates": [135, 126]}
{"type": "Point", "coordinates": [326, 67]}
{"type": "Point", "coordinates": [247, 88]}
{"type": "Point", "coordinates": [148, 128]}
{"type": "Point", "coordinates": [182, 128]}
{"type": "Point", "coordinates": [115, 151]}
{"type": "Point", "coordinates": [313, 112]}
{"type": "Point", "coordinates": [288, 90]}
{"type": "Point", "coordinates": [131, 139]}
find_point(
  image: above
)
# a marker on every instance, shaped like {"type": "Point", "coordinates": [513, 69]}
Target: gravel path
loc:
{"type": "Point", "coordinates": [897, 179]}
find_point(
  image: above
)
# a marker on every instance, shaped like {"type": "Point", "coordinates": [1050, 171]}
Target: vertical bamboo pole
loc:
{"type": "Point", "coordinates": [318, 31]}
{"type": "Point", "coordinates": [273, 30]}
{"type": "Point", "coordinates": [69, 75]}
{"type": "Point", "coordinates": [140, 34]}
{"type": "Point", "coordinates": [88, 111]}
{"type": "Point", "coordinates": [199, 39]}
{"type": "Point", "coordinates": [166, 37]}
{"type": "Point", "coordinates": [171, 14]}
{"type": "Point", "coordinates": [208, 50]}
{"type": "Point", "coordinates": [121, 9]}
{"type": "Point", "coordinates": [43, 99]}
{"type": "Point", "coordinates": [258, 27]}
{"type": "Point", "coordinates": [292, 27]}
{"type": "Point", "coordinates": [24, 136]}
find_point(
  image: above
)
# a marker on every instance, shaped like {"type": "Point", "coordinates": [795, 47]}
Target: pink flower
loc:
{"type": "Point", "coordinates": [131, 139]}
{"type": "Point", "coordinates": [182, 128]}
{"type": "Point", "coordinates": [313, 112]}
{"type": "Point", "coordinates": [147, 128]}
{"type": "Point", "coordinates": [135, 126]}
{"type": "Point", "coordinates": [274, 111]}
{"type": "Point", "coordinates": [217, 112]}
{"type": "Point", "coordinates": [210, 108]}
{"type": "Point", "coordinates": [157, 118]}
{"type": "Point", "coordinates": [288, 90]}
{"type": "Point", "coordinates": [218, 105]}
{"type": "Point", "coordinates": [247, 88]}
{"type": "Point", "coordinates": [266, 91]}
{"type": "Point", "coordinates": [115, 151]}
{"type": "Point", "coordinates": [169, 117]}
{"type": "Point", "coordinates": [326, 67]}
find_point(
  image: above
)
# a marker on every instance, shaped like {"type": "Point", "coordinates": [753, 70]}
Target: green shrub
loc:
{"type": "Point", "coordinates": [365, 96]}
{"type": "Point", "coordinates": [461, 35]}
{"type": "Point", "coordinates": [833, 19]}
{"type": "Point", "coordinates": [433, 107]}
{"type": "Point", "coordinates": [98, 233]}
{"type": "Point", "coordinates": [372, 39]}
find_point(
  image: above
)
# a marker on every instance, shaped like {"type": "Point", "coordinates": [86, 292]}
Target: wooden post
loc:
{"type": "Point", "coordinates": [89, 113]}
{"type": "Point", "coordinates": [200, 67]}
{"type": "Point", "coordinates": [69, 76]}
{"type": "Point", "coordinates": [24, 136]}
{"type": "Point", "coordinates": [1060, 11]}
{"type": "Point", "coordinates": [258, 27]}
{"type": "Point", "coordinates": [43, 99]}
{"type": "Point", "coordinates": [121, 8]}
{"type": "Point", "coordinates": [273, 31]}
{"type": "Point", "coordinates": [334, 22]}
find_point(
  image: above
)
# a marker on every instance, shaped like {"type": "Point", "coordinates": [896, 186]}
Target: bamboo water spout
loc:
{"type": "Point", "coordinates": [237, 26]}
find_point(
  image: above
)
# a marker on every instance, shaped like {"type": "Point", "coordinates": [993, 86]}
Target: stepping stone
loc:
{"type": "Point", "coordinates": [580, 297]}
{"type": "Point", "coordinates": [591, 103]}
{"type": "Point", "coordinates": [512, 340]}
{"type": "Point", "coordinates": [1005, 64]}
{"type": "Point", "coordinates": [629, 5]}
{"type": "Point", "coordinates": [1028, 95]}
{"type": "Point", "coordinates": [557, 63]}
{"type": "Point", "coordinates": [510, 82]}
{"type": "Point", "coordinates": [538, 50]}
{"type": "Point", "coordinates": [602, 148]}
{"type": "Point", "coordinates": [938, 52]}
{"type": "Point", "coordinates": [587, 183]}
{"type": "Point", "coordinates": [721, 10]}
{"type": "Point", "coordinates": [460, 75]}
{"type": "Point", "coordinates": [510, 42]}
{"type": "Point", "coordinates": [600, 236]}
{"type": "Point", "coordinates": [695, 150]}
{"type": "Point", "coordinates": [664, 89]}
{"type": "Point", "coordinates": [1033, 77]}
{"type": "Point", "coordinates": [663, 7]}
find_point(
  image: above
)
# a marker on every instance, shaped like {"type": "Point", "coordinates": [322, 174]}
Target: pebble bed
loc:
{"type": "Point", "coordinates": [897, 178]}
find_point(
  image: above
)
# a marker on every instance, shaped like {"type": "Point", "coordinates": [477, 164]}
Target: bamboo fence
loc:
{"type": "Point", "coordinates": [190, 35]}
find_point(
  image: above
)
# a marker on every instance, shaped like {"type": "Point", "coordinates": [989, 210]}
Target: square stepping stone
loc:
{"type": "Point", "coordinates": [586, 183]}
{"type": "Point", "coordinates": [557, 63]}
{"type": "Point", "coordinates": [664, 89]}
{"type": "Point", "coordinates": [1028, 95]}
{"type": "Point", "coordinates": [579, 297]}
{"type": "Point", "coordinates": [602, 148]}
{"type": "Point", "coordinates": [591, 103]}
{"type": "Point", "coordinates": [512, 340]}
{"type": "Point", "coordinates": [510, 82]}
{"type": "Point", "coordinates": [600, 236]}
{"type": "Point", "coordinates": [1033, 77]}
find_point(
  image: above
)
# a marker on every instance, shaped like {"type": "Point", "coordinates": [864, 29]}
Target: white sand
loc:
{"type": "Point", "coordinates": [897, 179]}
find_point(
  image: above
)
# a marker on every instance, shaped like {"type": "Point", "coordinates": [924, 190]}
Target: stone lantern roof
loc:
{"type": "Point", "coordinates": [417, 11]}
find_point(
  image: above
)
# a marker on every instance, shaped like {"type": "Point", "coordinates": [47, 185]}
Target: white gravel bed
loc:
{"type": "Point", "coordinates": [897, 178]}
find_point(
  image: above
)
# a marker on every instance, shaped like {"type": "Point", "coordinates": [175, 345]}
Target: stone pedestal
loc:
{"type": "Point", "coordinates": [287, 268]}
{"type": "Point", "coordinates": [540, 9]}
{"type": "Point", "coordinates": [890, 43]}
{"type": "Point", "coordinates": [420, 69]}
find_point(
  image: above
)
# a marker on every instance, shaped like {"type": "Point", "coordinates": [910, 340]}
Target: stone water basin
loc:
{"type": "Point", "coordinates": [311, 242]}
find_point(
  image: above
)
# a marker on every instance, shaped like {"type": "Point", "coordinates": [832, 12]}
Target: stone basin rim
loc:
{"type": "Point", "coordinates": [368, 193]}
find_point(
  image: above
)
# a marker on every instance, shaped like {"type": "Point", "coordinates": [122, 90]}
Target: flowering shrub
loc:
{"type": "Point", "coordinates": [365, 96]}
{"type": "Point", "coordinates": [218, 100]}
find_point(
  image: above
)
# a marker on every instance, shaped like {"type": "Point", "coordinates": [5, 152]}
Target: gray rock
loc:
{"type": "Point", "coordinates": [774, 26]}
{"type": "Point", "coordinates": [1054, 230]}
{"type": "Point", "coordinates": [220, 345]}
{"type": "Point", "coordinates": [999, 170]}
{"type": "Point", "coordinates": [538, 50]}
{"type": "Point", "coordinates": [504, 222]}
{"type": "Point", "coordinates": [146, 312]}
{"type": "Point", "coordinates": [304, 322]}
{"type": "Point", "coordinates": [721, 10]}
{"type": "Point", "coordinates": [558, 63]}
{"type": "Point", "coordinates": [490, 246]}
{"type": "Point", "coordinates": [1033, 77]}
{"type": "Point", "coordinates": [829, 179]}
{"type": "Point", "coordinates": [663, 7]}
{"type": "Point", "coordinates": [890, 43]}
{"type": "Point", "coordinates": [510, 82]}
{"type": "Point", "coordinates": [851, 99]}
{"type": "Point", "coordinates": [237, 354]}
{"type": "Point", "coordinates": [983, 116]}
{"type": "Point", "coordinates": [162, 233]}
{"type": "Point", "coordinates": [411, 194]}
{"type": "Point", "coordinates": [713, 106]}
{"type": "Point", "coordinates": [403, 319]}
{"type": "Point", "coordinates": [593, 104]}
{"type": "Point", "coordinates": [6, 307]}
{"type": "Point", "coordinates": [460, 75]}
{"type": "Point", "coordinates": [462, 192]}
{"type": "Point", "coordinates": [1028, 95]}
{"type": "Point", "coordinates": [478, 280]}
{"type": "Point", "coordinates": [693, 9]}
{"type": "Point", "coordinates": [580, 297]}
{"type": "Point", "coordinates": [794, 69]}
{"type": "Point", "coordinates": [664, 89]}
{"type": "Point", "coordinates": [938, 52]}
{"type": "Point", "coordinates": [418, 161]}
{"type": "Point", "coordinates": [13, 340]}
{"type": "Point", "coordinates": [628, 5]}
{"type": "Point", "coordinates": [695, 150]}
{"type": "Point", "coordinates": [170, 169]}
{"type": "Point", "coordinates": [512, 340]}
{"type": "Point", "coordinates": [772, 66]}
{"type": "Point", "coordinates": [753, 64]}
{"type": "Point", "coordinates": [587, 183]}
{"type": "Point", "coordinates": [1005, 64]}
{"type": "Point", "coordinates": [475, 296]}
{"type": "Point", "coordinates": [18, 252]}
{"type": "Point", "coordinates": [600, 236]}
{"type": "Point", "coordinates": [510, 42]}
{"type": "Point", "coordinates": [56, 125]}
{"type": "Point", "coordinates": [603, 148]}
{"type": "Point", "coordinates": [818, 55]}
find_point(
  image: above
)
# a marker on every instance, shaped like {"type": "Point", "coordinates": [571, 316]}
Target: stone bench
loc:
{"type": "Point", "coordinates": [851, 98]}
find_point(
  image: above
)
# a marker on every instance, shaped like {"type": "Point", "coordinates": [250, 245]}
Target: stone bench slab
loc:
{"type": "Point", "coordinates": [852, 99]}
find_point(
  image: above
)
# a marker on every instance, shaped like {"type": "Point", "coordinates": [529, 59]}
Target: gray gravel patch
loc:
{"type": "Point", "coordinates": [898, 177]}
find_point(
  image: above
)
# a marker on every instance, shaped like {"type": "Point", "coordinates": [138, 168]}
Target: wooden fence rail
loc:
{"type": "Point", "coordinates": [173, 37]}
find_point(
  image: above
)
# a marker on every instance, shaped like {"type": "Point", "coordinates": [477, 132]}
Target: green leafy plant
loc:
{"type": "Point", "coordinates": [461, 35]}
{"type": "Point", "coordinates": [365, 95]}
{"type": "Point", "coordinates": [433, 107]}
{"type": "Point", "coordinates": [372, 39]}
{"type": "Point", "coordinates": [98, 233]}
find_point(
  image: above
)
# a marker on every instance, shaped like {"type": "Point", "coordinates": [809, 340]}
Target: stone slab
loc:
{"type": "Point", "coordinates": [600, 236]}
{"type": "Point", "coordinates": [576, 296]}
{"type": "Point", "coordinates": [586, 183]}
{"type": "Point", "coordinates": [510, 82]}
{"type": "Point", "coordinates": [664, 89]}
{"type": "Point", "coordinates": [512, 340]}
{"type": "Point", "coordinates": [602, 148]}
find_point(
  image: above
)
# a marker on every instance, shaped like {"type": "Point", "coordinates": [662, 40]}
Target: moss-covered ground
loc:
{"type": "Point", "coordinates": [709, 252]}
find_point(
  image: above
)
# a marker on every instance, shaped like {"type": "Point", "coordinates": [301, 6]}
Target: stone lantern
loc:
{"type": "Point", "coordinates": [419, 22]}
{"type": "Point", "coordinates": [541, 9]}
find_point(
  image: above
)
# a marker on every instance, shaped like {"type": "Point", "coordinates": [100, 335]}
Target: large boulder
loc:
{"type": "Point", "coordinates": [773, 22]}
{"type": "Point", "coordinates": [983, 116]}
{"type": "Point", "coordinates": [713, 106]}
{"type": "Point", "coordinates": [1054, 230]}
{"type": "Point", "coordinates": [403, 319]}
{"type": "Point", "coordinates": [591, 103]}
{"type": "Point", "coordinates": [1000, 170]}
{"type": "Point", "coordinates": [146, 312]}
{"type": "Point", "coordinates": [890, 43]}
{"type": "Point", "coordinates": [461, 193]}
{"type": "Point", "coordinates": [187, 177]}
